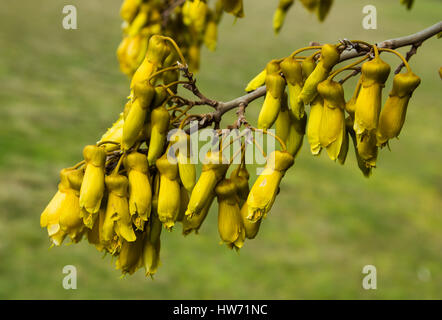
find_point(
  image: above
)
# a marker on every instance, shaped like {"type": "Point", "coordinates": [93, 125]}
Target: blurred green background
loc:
{"type": "Point", "coordinates": [60, 89]}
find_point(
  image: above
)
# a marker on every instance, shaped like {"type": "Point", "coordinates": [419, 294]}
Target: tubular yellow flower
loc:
{"type": "Point", "coordinates": [272, 103]}
{"type": "Point", "coordinates": [129, 9]}
{"type": "Point", "coordinates": [118, 206]}
{"type": "Point", "coordinates": [329, 58]}
{"type": "Point", "coordinates": [70, 218]}
{"type": "Point", "coordinates": [282, 123]}
{"type": "Point", "coordinates": [251, 228]}
{"type": "Point", "coordinates": [368, 103]}
{"type": "Point", "coordinates": [366, 170]}
{"type": "Point", "coordinates": [139, 21]}
{"type": "Point", "coordinates": [95, 235]}
{"type": "Point", "coordinates": [230, 227]}
{"type": "Point", "coordinates": [258, 81]}
{"type": "Point", "coordinates": [344, 148]}
{"type": "Point", "coordinates": [92, 187]}
{"type": "Point", "coordinates": [264, 190]}
{"type": "Point", "coordinates": [351, 104]}
{"type": "Point", "coordinates": [159, 120]}
{"type": "Point", "coordinates": [393, 114]}
{"type": "Point", "coordinates": [367, 148]}
{"type": "Point", "coordinates": [114, 133]}
{"type": "Point", "coordinates": [213, 170]}
{"type": "Point", "coordinates": [194, 14]}
{"type": "Point", "coordinates": [184, 201]}
{"type": "Point", "coordinates": [240, 177]}
{"type": "Point", "coordinates": [234, 7]}
{"type": "Point", "coordinates": [194, 223]}
{"type": "Point", "coordinates": [211, 35]}
{"type": "Point", "coordinates": [130, 258]}
{"type": "Point", "coordinates": [323, 9]}
{"type": "Point", "coordinates": [292, 71]}
{"type": "Point", "coordinates": [296, 134]}
{"type": "Point", "coordinates": [50, 217]}
{"type": "Point", "coordinates": [157, 51]}
{"type": "Point", "coordinates": [152, 245]}
{"type": "Point", "coordinates": [182, 149]}
{"type": "Point", "coordinates": [332, 127]}
{"type": "Point", "coordinates": [135, 51]}
{"type": "Point", "coordinates": [314, 125]}
{"type": "Point", "coordinates": [280, 13]}
{"type": "Point", "coordinates": [140, 191]}
{"type": "Point", "coordinates": [136, 115]}
{"type": "Point", "coordinates": [308, 65]}
{"type": "Point", "coordinates": [169, 192]}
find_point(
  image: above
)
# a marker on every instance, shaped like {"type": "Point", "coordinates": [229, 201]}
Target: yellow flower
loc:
{"type": "Point", "coordinates": [234, 7]}
{"type": "Point", "coordinates": [182, 151]}
{"type": "Point", "coordinates": [118, 207]}
{"type": "Point", "coordinates": [367, 148]}
{"type": "Point", "coordinates": [272, 103]}
{"type": "Point", "coordinates": [139, 21]}
{"type": "Point", "coordinates": [194, 14]}
{"type": "Point", "coordinates": [292, 71]}
{"type": "Point", "coordinates": [314, 125]}
{"type": "Point", "coordinates": [323, 9]}
{"type": "Point", "coordinates": [157, 51]}
{"type": "Point", "coordinates": [151, 246]}
{"type": "Point", "coordinates": [114, 133]}
{"type": "Point", "coordinates": [159, 120]}
{"type": "Point", "coordinates": [211, 35]}
{"type": "Point", "coordinates": [130, 257]}
{"type": "Point", "coordinates": [368, 102]}
{"type": "Point", "coordinates": [136, 116]}
{"type": "Point", "coordinates": [213, 170]}
{"type": "Point", "coordinates": [184, 201]}
{"type": "Point", "coordinates": [129, 9]}
{"type": "Point", "coordinates": [310, 5]}
{"type": "Point", "coordinates": [230, 227]}
{"type": "Point", "coordinates": [251, 227]}
{"type": "Point", "coordinates": [280, 13]}
{"type": "Point", "coordinates": [240, 177]}
{"type": "Point", "coordinates": [169, 192]}
{"type": "Point", "coordinates": [260, 79]}
{"type": "Point", "coordinates": [393, 114]}
{"type": "Point", "coordinates": [329, 57]}
{"type": "Point", "coordinates": [194, 223]}
{"type": "Point", "coordinates": [366, 170]}
{"type": "Point", "coordinates": [264, 190]}
{"type": "Point", "coordinates": [140, 191]}
{"type": "Point", "coordinates": [95, 235]}
{"type": "Point", "coordinates": [135, 51]}
{"type": "Point", "coordinates": [70, 218]}
{"type": "Point", "coordinates": [50, 216]}
{"type": "Point", "coordinates": [332, 127]}
{"type": "Point", "coordinates": [92, 187]}
{"type": "Point", "coordinates": [308, 65]}
{"type": "Point", "coordinates": [194, 54]}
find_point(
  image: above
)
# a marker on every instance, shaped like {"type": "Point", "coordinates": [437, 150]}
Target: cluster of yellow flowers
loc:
{"type": "Point", "coordinates": [190, 23]}
{"type": "Point", "coordinates": [309, 81]}
{"type": "Point", "coordinates": [127, 188]}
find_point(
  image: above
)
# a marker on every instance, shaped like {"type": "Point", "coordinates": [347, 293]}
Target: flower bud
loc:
{"type": "Point", "coordinates": [329, 58]}
{"type": "Point", "coordinates": [140, 191]}
{"type": "Point", "coordinates": [393, 114]}
{"type": "Point", "coordinates": [368, 102]}
{"type": "Point", "coordinates": [182, 148]}
{"type": "Point", "coordinates": [258, 81]}
{"type": "Point", "coordinates": [264, 190]}
{"type": "Point", "coordinates": [272, 103]}
{"type": "Point", "coordinates": [92, 187]}
{"type": "Point", "coordinates": [118, 206]}
{"type": "Point", "coordinates": [230, 226]}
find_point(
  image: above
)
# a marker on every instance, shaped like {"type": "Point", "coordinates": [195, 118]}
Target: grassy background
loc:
{"type": "Point", "coordinates": [60, 89]}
